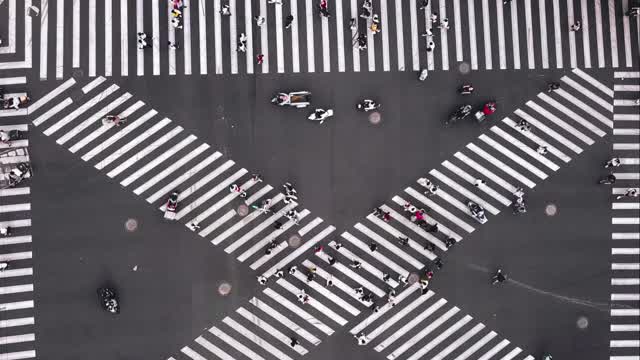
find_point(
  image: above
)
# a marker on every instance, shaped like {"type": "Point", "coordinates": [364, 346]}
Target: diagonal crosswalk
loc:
{"type": "Point", "coordinates": [484, 34]}
{"type": "Point", "coordinates": [625, 269]}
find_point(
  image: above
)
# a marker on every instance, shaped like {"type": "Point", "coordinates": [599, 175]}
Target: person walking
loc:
{"type": "Point", "coordinates": [260, 59]}
{"type": "Point", "coordinates": [614, 162]}
{"type": "Point", "coordinates": [260, 20]}
{"type": "Point", "coordinates": [576, 26]}
{"type": "Point", "coordinates": [288, 21]}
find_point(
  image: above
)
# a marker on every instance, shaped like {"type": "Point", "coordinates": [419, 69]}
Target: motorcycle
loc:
{"type": "Point", "coordinates": [368, 105]}
{"type": "Point", "coordinates": [172, 206]}
{"type": "Point", "coordinates": [477, 212]}
{"type": "Point", "coordinates": [461, 113]}
{"type": "Point", "coordinates": [109, 300]}
{"type": "Point", "coordinates": [320, 115]}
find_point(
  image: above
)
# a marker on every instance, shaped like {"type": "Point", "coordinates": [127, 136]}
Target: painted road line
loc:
{"type": "Point", "coordinates": [591, 80]}
{"type": "Point", "coordinates": [191, 353]}
{"type": "Point", "coordinates": [624, 297]}
{"type": "Point", "coordinates": [428, 25]}
{"type": "Point", "coordinates": [457, 23]}
{"type": "Point", "coordinates": [119, 135]}
{"type": "Point", "coordinates": [44, 37]}
{"type": "Point", "coordinates": [279, 39]}
{"type": "Point", "coordinates": [18, 355]}
{"type": "Point", "coordinates": [14, 339]}
{"type": "Point", "coordinates": [312, 224]}
{"type": "Point", "coordinates": [625, 251]}
{"type": "Point", "coordinates": [480, 343]}
{"type": "Point", "coordinates": [313, 302]}
{"type": "Point", "coordinates": [463, 191]}
{"type": "Point", "coordinates": [572, 35]}
{"type": "Point", "coordinates": [15, 191]}
{"type": "Point", "coordinates": [415, 50]}
{"type": "Point", "coordinates": [544, 46]}
{"type": "Point", "coordinates": [365, 265]}
{"type": "Point", "coordinates": [340, 33]}
{"type": "Point", "coordinates": [585, 34]}
{"type": "Point", "coordinates": [299, 251]}
{"type": "Point", "coordinates": [561, 139]}
{"type": "Point", "coordinates": [124, 38]}
{"type": "Point", "coordinates": [577, 118]}
{"type": "Point", "coordinates": [326, 50]}
{"type": "Point", "coordinates": [255, 320]}
{"type": "Point", "coordinates": [59, 39]}
{"type": "Point", "coordinates": [171, 36]}
{"type": "Point", "coordinates": [295, 42]}
{"type": "Point", "coordinates": [581, 89]}
{"type": "Point", "coordinates": [501, 165]}
{"type": "Point", "coordinates": [209, 194]}
{"type": "Point", "coordinates": [255, 339]}
{"type": "Point", "coordinates": [516, 158]}
{"type": "Point", "coordinates": [355, 52]}
{"type": "Point", "coordinates": [425, 235]}
{"type": "Point", "coordinates": [627, 132]}
{"type": "Point", "coordinates": [588, 109]}
{"type": "Point", "coordinates": [619, 87]}
{"type": "Point", "coordinates": [293, 308]}
{"type": "Point", "coordinates": [13, 80]}
{"type": "Point", "coordinates": [220, 204]}
{"type": "Point", "coordinates": [524, 148]}
{"type": "Point", "coordinates": [627, 36]}
{"type": "Point", "coordinates": [501, 39]}
{"type": "Point", "coordinates": [351, 274]}
{"type": "Point", "coordinates": [93, 84]}
{"type": "Point", "coordinates": [486, 32]}
{"type": "Point", "coordinates": [512, 354]}
{"type": "Point", "coordinates": [265, 258]}
{"type": "Point", "coordinates": [16, 273]}
{"type": "Point", "coordinates": [202, 35]}
{"type": "Point", "coordinates": [400, 315]}
{"type": "Point", "coordinates": [234, 343]}
{"type": "Point", "coordinates": [348, 290]}
{"type": "Point", "coordinates": [186, 33]}
{"type": "Point", "coordinates": [599, 34]}
{"type": "Point", "coordinates": [557, 33]}
{"type": "Point", "coordinates": [389, 246]}
{"type": "Point", "coordinates": [453, 201]}
{"type": "Point", "coordinates": [459, 341]}
{"type": "Point", "coordinates": [203, 181]}
{"type": "Point", "coordinates": [529, 28]}
{"type": "Point", "coordinates": [322, 290]}
{"type": "Point", "coordinates": [626, 266]}
{"type": "Point", "coordinates": [444, 44]}
{"type": "Point", "coordinates": [371, 47]}
{"type": "Point", "coordinates": [311, 65]}
{"type": "Point", "coordinates": [386, 307]}
{"type": "Point", "coordinates": [155, 20]}
{"type": "Point", "coordinates": [216, 224]}
{"type": "Point", "coordinates": [284, 320]}
{"type": "Point", "coordinates": [16, 322]}
{"type": "Point", "coordinates": [52, 94]}
{"type": "Point", "coordinates": [377, 255]}
{"type": "Point", "coordinates": [400, 34]}
{"type": "Point", "coordinates": [16, 256]}
{"type": "Point", "coordinates": [386, 63]}
{"type": "Point", "coordinates": [472, 35]}
{"type": "Point", "coordinates": [515, 37]}
{"type": "Point", "coordinates": [108, 37]}
{"type": "Point", "coordinates": [92, 38]}
{"type": "Point", "coordinates": [10, 47]}
{"type": "Point", "coordinates": [16, 223]}
{"type": "Point", "coordinates": [53, 111]}
{"type": "Point", "coordinates": [15, 289]}
{"type": "Point", "coordinates": [413, 244]}
{"type": "Point", "coordinates": [140, 28]}
{"type": "Point", "coordinates": [441, 337]}
{"type": "Point", "coordinates": [624, 327]}
{"type": "Point", "coordinates": [217, 34]}
{"type": "Point", "coordinates": [128, 146]}
{"type": "Point", "coordinates": [233, 39]}
{"type": "Point", "coordinates": [485, 173]}
{"type": "Point", "coordinates": [264, 37]}
{"type": "Point", "coordinates": [625, 221]}
{"type": "Point", "coordinates": [14, 208]}
{"type": "Point", "coordinates": [443, 212]}
{"type": "Point", "coordinates": [613, 36]}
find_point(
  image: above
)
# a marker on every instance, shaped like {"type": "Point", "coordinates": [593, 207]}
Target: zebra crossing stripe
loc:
{"type": "Point", "coordinates": [298, 311]}
{"type": "Point", "coordinates": [108, 37]}
{"type": "Point", "coordinates": [599, 34]}
{"type": "Point", "coordinates": [354, 276]}
{"type": "Point", "coordinates": [413, 16]}
{"type": "Point", "coordinates": [52, 94]}
{"type": "Point", "coordinates": [124, 38]}
{"type": "Point", "coordinates": [313, 302]}
{"type": "Point", "coordinates": [386, 63]}
{"type": "Point", "coordinates": [340, 34]}
{"type": "Point", "coordinates": [400, 315]}
{"type": "Point", "coordinates": [627, 36]}
{"type": "Point", "coordinates": [233, 36]}
{"type": "Point", "coordinates": [213, 349]}
{"type": "Point", "coordinates": [258, 194]}
{"type": "Point", "coordinates": [365, 266]}
{"type": "Point", "coordinates": [371, 47]}
{"type": "Point", "coordinates": [464, 192]}
{"type": "Point", "coordinates": [312, 224]}
{"type": "Point", "coordinates": [335, 281]}
{"type": "Point", "coordinates": [531, 59]}
{"type": "Point", "coordinates": [59, 39]}
{"type": "Point", "coordinates": [552, 149]}
{"type": "Point", "coordinates": [255, 339]}
{"type": "Point", "coordinates": [353, 5]}
{"type": "Point", "coordinates": [155, 22]}
{"type": "Point", "coordinates": [480, 343]}
{"type": "Point", "coordinates": [216, 224]}
{"type": "Point", "coordinates": [444, 43]}
{"type": "Point", "coordinates": [389, 246]}
{"type": "Point", "coordinates": [454, 202]}
{"type": "Point", "coordinates": [558, 33]}
{"type": "Point", "coordinates": [191, 353]}
{"type": "Point", "coordinates": [612, 33]}
{"type": "Point", "coordinates": [585, 34]}
{"type": "Point", "coordinates": [93, 84]}
{"type": "Point", "coordinates": [501, 165]}
{"type": "Point", "coordinates": [572, 35]}
{"type": "Point", "coordinates": [284, 320]}
{"type": "Point", "coordinates": [401, 219]}
{"type": "Point", "coordinates": [443, 212]}
{"type": "Point", "coordinates": [486, 32]}
{"type": "Point", "coordinates": [44, 37]}
{"type": "Point", "coordinates": [473, 44]}
{"type": "Point", "coordinates": [279, 39]}
{"type": "Point", "coordinates": [395, 233]}
{"type": "Point", "coordinates": [501, 38]}
{"type": "Point", "coordinates": [322, 290]}
{"type": "Point", "coordinates": [512, 354]}
{"type": "Point", "coordinates": [217, 206]}
{"type": "Point", "coordinates": [326, 49]}
{"type": "Point", "coordinates": [428, 25]}
{"type": "Point", "coordinates": [515, 37]}
{"type": "Point", "coordinates": [209, 194]}
{"type": "Point", "coordinates": [470, 179]}
{"type": "Point", "coordinates": [217, 34]}
{"type": "Point", "coordinates": [92, 37]}
{"type": "Point", "coordinates": [265, 258]}
{"type": "Point", "coordinates": [270, 329]}
{"type": "Point", "coordinates": [591, 111]}
{"type": "Point", "coordinates": [248, 27]}
{"type": "Point", "coordinates": [264, 42]}
{"type": "Point", "coordinates": [235, 343]}
{"type": "Point", "coordinates": [457, 23]}
{"type": "Point", "coordinates": [171, 34]}
{"type": "Point", "coordinates": [516, 158]}
{"type": "Point", "coordinates": [377, 255]}
{"type": "Point", "coordinates": [438, 339]}
{"type": "Point", "coordinates": [186, 32]}
{"type": "Point", "coordinates": [295, 50]}
{"type": "Point", "coordinates": [501, 345]}
{"type": "Point", "coordinates": [523, 147]}
{"type": "Point", "coordinates": [139, 29]}
{"type": "Point", "coordinates": [400, 34]}
{"type": "Point", "coordinates": [15, 289]}
{"type": "Point", "coordinates": [572, 115]}
{"type": "Point", "coordinates": [561, 139]}
{"type": "Point", "coordinates": [202, 35]}
{"type": "Point", "coordinates": [386, 308]}
{"type": "Point", "coordinates": [53, 111]}
{"type": "Point", "coordinates": [581, 89]}
{"type": "Point", "coordinates": [543, 33]}
{"type": "Point", "coordinates": [459, 341]}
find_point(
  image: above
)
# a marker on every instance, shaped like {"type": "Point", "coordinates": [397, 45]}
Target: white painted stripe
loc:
{"type": "Point", "coordinates": [389, 246]}
{"type": "Point", "coordinates": [625, 312]}
{"type": "Point", "coordinates": [295, 42]}
{"type": "Point", "coordinates": [438, 339]}
{"type": "Point", "coordinates": [500, 165]}
{"type": "Point", "coordinates": [442, 229]}
{"type": "Point", "coordinates": [13, 80]}
{"type": "Point", "coordinates": [313, 303]}
{"type": "Point", "coordinates": [376, 254]}
{"type": "Point", "coordinates": [248, 28]}
{"type": "Point", "coordinates": [585, 33]}
{"type": "Point", "coordinates": [625, 281]}
{"type": "Point", "coordinates": [216, 224]}
{"type": "Point", "coordinates": [581, 89]}
{"type": "Point", "coordinates": [384, 18]}
{"type": "Point", "coordinates": [624, 102]}
{"type": "Point", "coordinates": [623, 297]}
{"type": "Point", "coordinates": [300, 250]}
{"type": "Point", "coordinates": [400, 315]}
{"type": "Point", "coordinates": [212, 175]}
{"type": "Point", "coordinates": [202, 35]}
{"type": "Point", "coordinates": [312, 224]}
{"type": "Point", "coordinates": [14, 339]}
{"type": "Point", "coordinates": [104, 128]}
{"type": "Point", "coordinates": [486, 32]}
{"type": "Point", "coordinates": [155, 20]}
{"type": "Point", "coordinates": [142, 153]}
{"type": "Point", "coordinates": [529, 28]}
{"type": "Point", "coordinates": [15, 191]}
{"type": "Point", "coordinates": [572, 35]}
{"type": "Point", "coordinates": [59, 39]}
{"type": "Point", "coordinates": [512, 354]}
{"type": "Point", "coordinates": [92, 38]}
{"type": "Point", "coordinates": [413, 18]}
{"type": "Point", "coordinates": [627, 36]}
{"type": "Point", "coordinates": [16, 256]}
{"type": "Point", "coordinates": [16, 223]}
{"type": "Point", "coordinates": [208, 195]}
{"type": "Point", "coordinates": [486, 172]}
{"type": "Point", "coordinates": [18, 305]}
{"type": "Point", "coordinates": [322, 290]}
{"type": "Point", "coordinates": [515, 37]}
{"type": "Point", "coordinates": [501, 37]}
{"type": "Point", "coordinates": [119, 135]}
{"type": "Point", "coordinates": [108, 37]}
{"type": "Point", "coordinates": [387, 307]}
{"type": "Point", "coordinates": [463, 191]}
{"type": "Point", "coordinates": [371, 46]}
{"type": "Point", "coordinates": [561, 139]}
{"type": "Point", "coordinates": [624, 343]}
{"type": "Point", "coordinates": [326, 55]}
{"type": "Point", "coordinates": [269, 329]}
{"type": "Point", "coordinates": [94, 118]}
{"type": "Point", "coordinates": [15, 144]}
{"type": "Point", "coordinates": [279, 39]}
{"type": "Point", "coordinates": [258, 194]}
{"type": "Point", "coordinates": [217, 33]}
{"type": "Point", "coordinates": [186, 34]}
{"type": "Point", "coordinates": [599, 33]}
{"type": "Point", "coordinates": [355, 52]}
{"type": "Point", "coordinates": [171, 36]}
{"type": "Point", "coordinates": [255, 339]}
{"type": "Point", "coordinates": [625, 236]}
{"type": "Point", "coordinates": [457, 23]}
{"type": "Point", "coordinates": [459, 341]}
{"type": "Point", "coordinates": [542, 15]}
{"type": "Point", "coordinates": [516, 158]}
{"type": "Point", "coordinates": [421, 334]}
{"type": "Point", "coordinates": [340, 33]}
{"type": "Point", "coordinates": [625, 221]}
{"type": "Point", "coordinates": [192, 354]}
{"type": "Point", "coordinates": [625, 266]}
{"type": "Point", "coordinates": [298, 330]}
{"type": "Point", "coordinates": [10, 47]}
{"type": "Point", "coordinates": [428, 25]}
{"type": "Point", "coordinates": [140, 28]}
{"type": "Point", "coordinates": [470, 179]}
{"type": "Point", "coordinates": [443, 212]}
{"type": "Point", "coordinates": [400, 35]}
{"type": "Point", "coordinates": [217, 206]}
{"type": "Point", "coordinates": [124, 38]}
{"type": "Point", "coordinates": [579, 119]}
{"type": "Point", "coordinates": [16, 272]}
{"type": "Point", "coordinates": [501, 345]}
{"type": "Point", "coordinates": [264, 40]}
{"type": "Point", "coordinates": [558, 33]}
{"type": "Point", "coordinates": [526, 149]}
{"type": "Point", "coordinates": [473, 42]}
{"type": "Point", "coordinates": [619, 87]}
{"type": "Point", "coordinates": [444, 44]}
{"type": "Point", "coordinates": [552, 149]}
{"type": "Point", "coordinates": [52, 94]}
{"type": "Point", "coordinates": [365, 265]}
{"type": "Point", "coordinates": [52, 112]}
{"type": "Point", "coordinates": [93, 84]}
{"type": "Point", "coordinates": [625, 206]}
{"type": "Point", "coordinates": [336, 283]}
{"type": "Point", "coordinates": [624, 327]}
{"type": "Point", "coordinates": [353, 275]}
{"type": "Point", "coordinates": [44, 37]}
{"type": "Point", "coordinates": [15, 207]}
{"type": "Point", "coordinates": [412, 244]}
{"type": "Point", "coordinates": [234, 343]}
{"type": "Point", "coordinates": [19, 355]}
{"type": "Point", "coordinates": [79, 111]}
{"type": "Point", "coordinates": [15, 289]}
{"type": "Point", "coordinates": [625, 251]}
{"type": "Point", "coordinates": [626, 74]}
{"type": "Point", "coordinates": [295, 309]}
{"type": "Point", "coordinates": [172, 168]}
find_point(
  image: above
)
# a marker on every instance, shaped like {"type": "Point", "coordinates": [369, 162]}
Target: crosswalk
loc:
{"type": "Point", "coordinates": [625, 278]}
{"type": "Point", "coordinates": [16, 53]}
{"type": "Point", "coordinates": [16, 281]}
{"type": "Point", "coordinates": [484, 34]}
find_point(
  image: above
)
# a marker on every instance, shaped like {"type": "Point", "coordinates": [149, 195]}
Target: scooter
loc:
{"type": "Point", "coordinates": [423, 74]}
{"type": "Point", "coordinates": [109, 300]}
{"type": "Point", "coordinates": [477, 212]}
{"type": "Point", "coordinates": [320, 115]}
{"type": "Point", "coordinates": [368, 105]}
{"type": "Point", "coordinates": [462, 112]}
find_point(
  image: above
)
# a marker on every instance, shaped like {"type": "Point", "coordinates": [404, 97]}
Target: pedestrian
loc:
{"type": "Point", "coordinates": [438, 263]}
{"type": "Point", "coordinates": [226, 10]}
{"type": "Point", "coordinates": [424, 286]}
{"type": "Point", "coordinates": [403, 240]}
{"type": "Point", "coordinates": [576, 26]}
{"type": "Point", "coordinates": [386, 216]}
{"type": "Point", "coordinates": [5, 231]}
{"type": "Point", "coordinates": [432, 228]}
{"type": "Point", "coordinates": [329, 281]}
{"type": "Point", "coordinates": [410, 208]}
{"type": "Point", "coordinates": [614, 162]}
{"type": "Point", "coordinates": [303, 297]}
{"type": "Point", "coordinates": [430, 247]}
{"type": "Point", "coordinates": [449, 242]}
{"type": "Point", "coordinates": [403, 279]}
{"type": "Point", "coordinates": [289, 189]}
{"type": "Point", "coordinates": [362, 339]}
{"type": "Point", "coordinates": [423, 4]}
{"type": "Point", "coordinates": [373, 247]}
{"type": "Point", "coordinates": [609, 180]}
{"type": "Point", "coordinates": [294, 342]}
{"type": "Point", "coordinates": [260, 59]}
{"type": "Point", "coordinates": [142, 44]}
{"type": "Point", "coordinates": [553, 86]}
{"type": "Point", "coordinates": [386, 277]}
{"type": "Point", "coordinates": [355, 264]}
{"type": "Point", "coordinates": [353, 24]}
{"type": "Point", "coordinates": [270, 247]}
{"type": "Point", "coordinates": [331, 260]}
{"type": "Point", "coordinates": [318, 249]}
{"type": "Point", "coordinates": [444, 24]}
{"type": "Point", "coordinates": [311, 274]}
{"type": "Point", "coordinates": [279, 273]}
{"type": "Point", "coordinates": [292, 270]}
{"type": "Point", "coordinates": [194, 226]}
{"type": "Point", "coordinates": [434, 18]}
{"type": "Point", "coordinates": [260, 20]}
{"type": "Point", "coordinates": [428, 33]}
{"type": "Point", "coordinates": [479, 182]}
{"type": "Point", "coordinates": [499, 277]}
{"type": "Point", "coordinates": [337, 246]}
{"type": "Point", "coordinates": [391, 297]}
{"type": "Point", "coordinates": [33, 11]}
{"type": "Point", "coordinates": [633, 12]}
{"type": "Point", "coordinates": [176, 22]}
{"type": "Point", "coordinates": [429, 274]}
{"type": "Point", "coordinates": [235, 188]}
{"type": "Point", "coordinates": [542, 150]}
{"type": "Point", "coordinates": [524, 126]}
{"type": "Point", "coordinates": [431, 46]}
{"type": "Point", "coordinates": [375, 308]}
{"type": "Point", "coordinates": [506, 2]}
{"type": "Point", "coordinates": [173, 45]}
{"type": "Point", "coordinates": [630, 193]}
{"type": "Point", "coordinates": [277, 225]}
{"type": "Point", "coordinates": [262, 280]}
{"type": "Point", "coordinates": [359, 290]}
{"type": "Point", "coordinates": [288, 21]}
{"type": "Point", "coordinates": [256, 178]}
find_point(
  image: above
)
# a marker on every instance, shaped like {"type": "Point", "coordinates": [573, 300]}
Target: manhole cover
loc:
{"type": "Point", "coordinates": [224, 288]}
{"type": "Point", "coordinates": [582, 322]}
{"type": "Point", "coordinates": [375, 118]}
{"type": "Point", "coordinates": [413, 278]}
{"type": "Point", "coordinates": [464, 68]}
{"type": "Point", "coordinates": [294, 241]}
{"type": "Point", "coordinates": [551, 210]}
{"type": "Point", "coordinates": [243, 210]}
{"type": "Point", "coordinates": [131, 225]}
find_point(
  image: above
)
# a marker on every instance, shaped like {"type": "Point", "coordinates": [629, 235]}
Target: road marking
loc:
{"type": "Point", "coordinates": [124, 38]}
{"type": "Point", "coordinates": [255, 320]}
{"type": "Point", "coordinates": [264, 40]}
{"type": "Point", "coordinates": [602, 87]}
{"type": "Point", "coordinates": [585, 34]}
{"type": "Point", "coordinates": [415, 50]}
{"type": "Point", "coordinates": [191, 353]}
{"type": "Point", "coordinates": [612, 33]}
{"type": "Point", "coordinates": [140, 28]}
{"type": "Point", "coordinates": [554, 119]}
{"type": "Point", "coordinates": [77, 112]}
{"type": "Point", "coordinates": [421, 334]}
{"type": "Point", "coordinates": [413, 244]}
{"type": "Point", "coordinates": [108, 37]}
{"type": "Point", "coordinates": [461, 340]}
{"type": "Point", "coordinates": [457, 23]}
{"type": "Point", "coordinates": [543, 33]}
{"type": "Point", "coordinates": [208, 195]}
{"type": "Point", "coordinates": [524, 148]}
{"type": "Point", "coordinates": [561, 139]}
{"type": "Point", "coordinates": [572, 35]}
{"type": "Point", "coordinates": [511, 155]}
{"type": "Point", "coordinates": [387, 245]}
{"type": "Point", "coordinates": [438, 339]}
{"type": "Point", "coordinates": [299, 311]}
{"type": "Point", "coordinates": [529, 27]}
{"type": "Point", "coordinates": [501, 38]}
{"type": "Point", "coordinates": [386, 63]}
{"type": "Point", "coordinates": [13, 80]}
{"type": "Point", "coordinates": [376, 254]}
{"type": "Point", "coordinates": [444, 213]}
{"type": "Point", "coordinates": [428, 25]}
{"type": "Point", "coordinates": [18, 305]}
{"type": "Point", "coordinates": [51, 112]}
{"type": "Point", "coordinates": [486, 32]}
{"type": "Point", "coordinates": [627, 36]}
{"type": "Point", "coordinates": [489, 354]}
{"type": "Point", "coordinates": [59, 39]}
{"type": "Point", "coordinates": [388, 306]}
{"type": "Point", "coordinates": [279, 39]}
{"type": "Point", "coordinates": [233, 39]}
{"type": "Point", "coordinates": [217, 33]}
{"type": "Point", "coordinates": [52, 94]}
{"type": "Point", "coordinates": [311, 66]}
{"type": "Point", "coordinates": [255, 339]}
{"type": "Point", "coordinates": [586, 107]}
{"type": "Point", "coordinates": [92, 38]}
{"type": "Point", "coordinates": [155, 19]}
{"type": "Point", "coordinates": [171, 36]}
{"type": "Point", "coordinates": [326, 55]}
{"type": "Point", "coordinates": [515, 37]}
{"type": "Point", "coordinates": [212, 348]}
{"type": "Point", "coordinates": [473, 36]}
{"type": "Point", "coordinates": [234, 343]}
{"type": "Point", "coordinates": [557, 33]}
{"type": "Point", "coordinates": [202, 35]}
{"type": "Point", "coordinates": [186, 34]}
{"type": "Point", "coordinates": [10, 47]}
{"type": "Point", "coordinates": [599, 33]}
{"type": "Point", "coordinates": [340, 34]}
{"type": "Point", "coordinates": [284, 320]}
{"type": "Point", "coordinates": [295, 43]}
{"type": "Point", "coordinates": [354, 36]}
{"type": "Point", "coordinates": [464, 192]}
{"type": "Point", "coordinates": [248, 28]}
{"type": "Point", "coordinates": [371, 46]}
{"type": "Point", "coordinates": [444, 46]}
{"type": "Point", "coordinates": [313, 302]}
{"type": "Point", "coordinates": [400, 34]}
{"type": "Point", "coordinates": [322, 290]}
{"type": "Point", "coordinates": [44, 36]}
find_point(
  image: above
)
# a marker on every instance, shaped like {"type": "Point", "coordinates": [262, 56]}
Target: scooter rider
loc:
{"type": "Point", "coordinates": [319, 113]}
{"type": "Point", "coordinates": [362, 41]}
{"type": "Point", "coordinates": [476, 210]}
{"type": "Point", "coordinates": [498, 277]}
{"type": "Point", "coordinates": [4, 137]}
{"type": "Point", "coordinates": [368, 104]}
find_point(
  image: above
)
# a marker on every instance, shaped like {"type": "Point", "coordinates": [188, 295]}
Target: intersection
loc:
{"type": "Point", "coordinates": [202, 134]}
